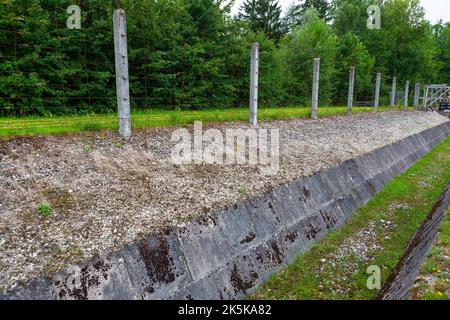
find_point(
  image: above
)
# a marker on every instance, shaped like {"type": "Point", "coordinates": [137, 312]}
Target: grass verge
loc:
{"type": "Point", "coordinates": [377, 234]}
{"type": "Point", "coordinates": [155, 118]}
{"type": "Point", "coordinates": [433, 282]}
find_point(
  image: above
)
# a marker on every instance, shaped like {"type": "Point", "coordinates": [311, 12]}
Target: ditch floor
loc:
{"type": "Point", "coordinates": [104, 192]}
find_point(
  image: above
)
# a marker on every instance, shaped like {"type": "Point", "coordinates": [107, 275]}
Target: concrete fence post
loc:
{"type": "Point", "coordinates": [377, 92]}
{"type": "Point", "coordinates": [254, 70]}
{"type": "Point", "coordinates": [406, 94]}
{"type": "Point", "coordinates": [416, 96]}
{"type": "Point", "coordinates": [351, 84]}
{"type": "Point", "coordinates": [394, 86]}
{"type": "Point", "coordinates": [315, 89]}
{"type": "Point", "coordinates": [121, 61]}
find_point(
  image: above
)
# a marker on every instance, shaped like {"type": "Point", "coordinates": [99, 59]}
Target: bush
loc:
{"type": "Point", "coordinates": [44, 210]}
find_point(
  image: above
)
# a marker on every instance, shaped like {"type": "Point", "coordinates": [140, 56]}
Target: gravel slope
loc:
{"type": "Point", "coordinates": [106, 192]}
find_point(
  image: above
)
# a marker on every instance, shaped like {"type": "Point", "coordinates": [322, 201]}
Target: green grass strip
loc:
{"type": "Point", "coordinates": [12, 126]}
{"type": "Point", "coordinates": [394, 215]}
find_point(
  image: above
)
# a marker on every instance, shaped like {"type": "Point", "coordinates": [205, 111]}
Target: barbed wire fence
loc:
{"type": "Point", "coordinates": [66, 63]}
{"type": "Point", "coordinates": [50, 67]}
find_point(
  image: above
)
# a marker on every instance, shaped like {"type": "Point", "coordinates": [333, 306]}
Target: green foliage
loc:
{"type": "Point", "coordinates": [350, 16]}
{"type": "Point", "coordinates": [44, 210]}
{"type": "Point", "coordinates": [263, 16]}
{"type": "Point", "coordinates": [244, 190]}
{"type": "Point", "coordinates": [46, 68]}
{"type": "Point", "coordinates": [322, 6]}
{"type": "Point", "coordinates": [311, 40]}
{"type": "Point", "coordinates": [187, 55]}
{"type": "Point", "coordinates": [442, 33]}
{"type": "Point", "coordinates": [87, 148]}
{"type": "Point", "coordinates": [404, 46]}
{"type": "Point", "coordinates": [292, 17]}
{"type": "Point", "coordinates": [352, 52]}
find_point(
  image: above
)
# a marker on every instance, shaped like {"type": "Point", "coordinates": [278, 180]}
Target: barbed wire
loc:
{"type": "Point", "coordinates": [57, 78]}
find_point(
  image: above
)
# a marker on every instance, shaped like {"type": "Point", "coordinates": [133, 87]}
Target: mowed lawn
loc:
{"type": "Point", "coordinates": [11, 126]}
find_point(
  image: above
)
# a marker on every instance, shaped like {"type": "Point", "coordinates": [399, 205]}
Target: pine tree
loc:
{"type": "Point", "coordinates": [263, 16]}
{"type": "Point", "coordinates": [292, 17]}
{"type": "Point", "coordinates": [247, 11]}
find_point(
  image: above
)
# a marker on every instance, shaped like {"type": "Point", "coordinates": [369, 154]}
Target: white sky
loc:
{"type": "Point", "coordinates": [436, 9]}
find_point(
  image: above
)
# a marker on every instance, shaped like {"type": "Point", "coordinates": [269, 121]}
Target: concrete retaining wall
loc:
{"type": "Point", "coordinates": [229, 254]}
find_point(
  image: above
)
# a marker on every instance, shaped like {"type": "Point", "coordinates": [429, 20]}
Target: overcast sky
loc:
{"type": "Point", "coordinates": [436, 9]}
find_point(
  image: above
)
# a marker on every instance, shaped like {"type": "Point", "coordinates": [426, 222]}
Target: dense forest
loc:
{"type": "Point", "coordinates": [194, 54]}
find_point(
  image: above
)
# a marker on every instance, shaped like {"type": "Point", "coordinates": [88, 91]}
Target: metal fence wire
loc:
{"type": "Point", "coordinates": [55, 64]}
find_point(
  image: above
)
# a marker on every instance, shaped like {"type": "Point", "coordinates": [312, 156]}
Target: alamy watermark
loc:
{"type": "Point", "coordinates": [374, 280]}
{"type": "Point", "coordinates": [374, 17]}
{"type": "Point", "coordinates": [74, 20]}
{"type": "Point", "coordinates": [237, 146]}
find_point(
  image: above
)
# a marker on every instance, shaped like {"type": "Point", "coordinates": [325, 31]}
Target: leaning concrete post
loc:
{"type": "Point", "coordinates": [406, 94]}
{"type": "Point", "coordinates": [377, 92]}
{"type": "Point", "coordinates": [121, 60]}
{"type": "Point", "coordinates": [351, 84]}
{"type": "Point", "coordinates": [394, 85]}
{"type": "Point", "coordinates": [254, 69]}
{"type": "Point", "coordinates": [416, 96]}
{"type": "Point", "coordinates": [315, 88]}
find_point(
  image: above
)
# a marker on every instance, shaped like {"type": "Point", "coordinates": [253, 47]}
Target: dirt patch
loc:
{"type": "Point", "coordinates": [239, 284]}
{"type": "Point", "coordinates": [157, 260]}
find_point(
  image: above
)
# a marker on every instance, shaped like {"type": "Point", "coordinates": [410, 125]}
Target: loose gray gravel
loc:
{"type": "Point", "coordinates": [106, 192]}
